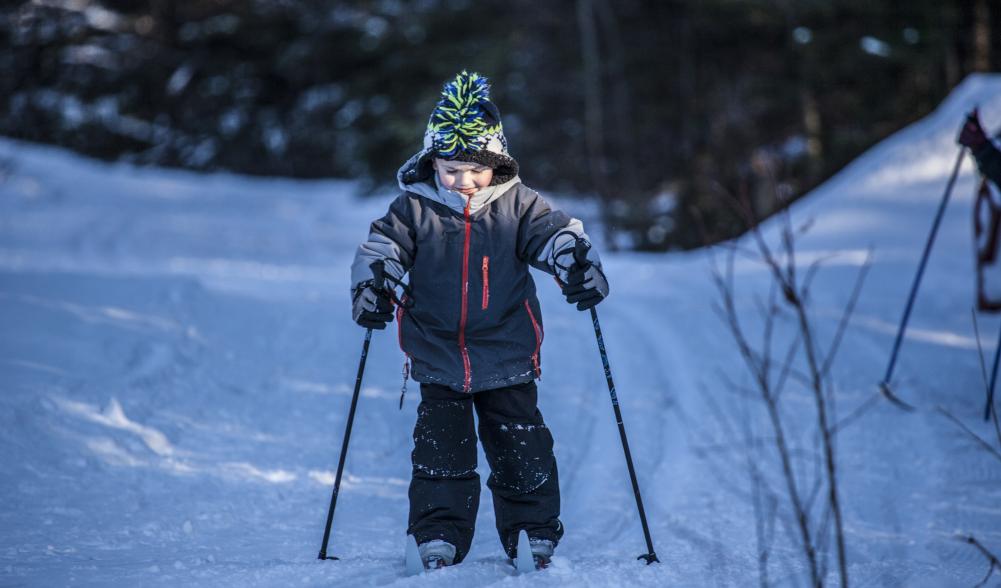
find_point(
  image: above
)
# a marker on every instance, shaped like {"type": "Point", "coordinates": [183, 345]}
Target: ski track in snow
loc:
{"type": "Point", "coordinates": [177, 361]}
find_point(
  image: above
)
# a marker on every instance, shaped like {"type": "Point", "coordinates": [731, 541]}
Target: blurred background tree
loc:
{"type": "Point", "coordinates": [665, 110]}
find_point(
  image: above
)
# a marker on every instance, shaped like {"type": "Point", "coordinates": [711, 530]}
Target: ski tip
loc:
{"type": "Point", "coordinates": [524, 562]}
{"type": "Point", "coordinates": [412, 562]}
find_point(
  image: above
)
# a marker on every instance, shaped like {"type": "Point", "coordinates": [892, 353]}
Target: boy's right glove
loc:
{"type": "Point", "coordinates": [586, 286]}
{"type": "Point", "coordinates": [371, 308]}
{"type": "Point", "coordinates": [580, 278]}
{"type": "Point", "coordinates": [972, 135]}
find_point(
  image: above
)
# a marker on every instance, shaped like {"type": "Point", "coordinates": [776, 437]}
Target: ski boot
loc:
{"type": "Point", "coordinates": [532, 554]}
{"type": "Point", "coordinates": [436, 554]}
{"type": "Point", "coordinates": [428, 556]}
{"type": "Point", "coordinates": [542, 552]}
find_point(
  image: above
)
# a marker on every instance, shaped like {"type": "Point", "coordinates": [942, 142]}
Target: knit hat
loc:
{"type": "Point", "coordinates": [464, 126]}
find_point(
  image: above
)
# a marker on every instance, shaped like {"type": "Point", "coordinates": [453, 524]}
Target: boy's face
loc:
{"type": "Point", "coordinates": [462, 176]}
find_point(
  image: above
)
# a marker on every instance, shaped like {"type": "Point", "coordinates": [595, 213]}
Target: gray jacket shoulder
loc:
{"type": "Point", "coordinates": [538, 225]}
{"type": "Point", "coordinates": [391, 238]}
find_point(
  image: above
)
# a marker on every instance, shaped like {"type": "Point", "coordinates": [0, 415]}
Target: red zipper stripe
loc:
{"type": "Point", "coordinates": [538, 340]}
{"type": "Point", "coordinates": [486, 282]}
{"type": "Point", "coordinates": [467, 384]}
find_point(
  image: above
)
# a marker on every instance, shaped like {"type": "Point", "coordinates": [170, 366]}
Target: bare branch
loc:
{"type": "Point", "coordinates": [977, 438]}
{"type": "Point", "coordinates": [823, 538]}
{"type": "Point", "coordinates": [734, 386]}
{"type": "Point", "coordinates": [816, 385]}
{"type": "Point", "coordinates": [764, 519]}
{"type": "Point", "coordinates": [823, 528]}
{"type": "Point", "coordinates": [983, 374]}
{"type": "Point", "coordinates": [782, 266]}
{"type": "Point", "coordinates": [846, 316]}
{"type": "Point", "coordinates": [811, 273]}
{"type": "Point", "coordinates": [991, 558]}
{"type": "Point", "coordinates": [721, 418]}
{"type": "Point", "coordinates": [980, 349]}
{"type": "Point", "coordinates": [803, 378]}
{"type": "Point", "coordinates": [725, 287]}
{"type": "Point", "coordinates": [855, 414]}
{"type": "Point", "coordinates": [818, 485]}
{"type": "Point", "coordinates": [997, 426]}
{"type": "Point", "coordinates": [769, 329]}
{"type": "Point", "coordinates": [787, 366]}
{"type": "Point", "coordinates": [789, 243]}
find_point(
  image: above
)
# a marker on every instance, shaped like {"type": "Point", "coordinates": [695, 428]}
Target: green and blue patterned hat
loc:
{"type": "Point", "coordinates": [465, 126]}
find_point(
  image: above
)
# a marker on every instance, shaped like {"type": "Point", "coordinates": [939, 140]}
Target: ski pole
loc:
{"type": "Point", "coordinates": [994, 380]}
{"type": "Point", "coordinates": [884, 385]}
{"type": "Point", "coordinates": [377, 283]}
{"type": "Point", "coordinates": [580, 258]}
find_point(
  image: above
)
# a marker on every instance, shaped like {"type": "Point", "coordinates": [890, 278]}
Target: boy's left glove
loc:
{"type": "Point", "coordinates": [972, 135]}
{"type": "Point", "coordinates": [585, 285]}
{"type": "Point", "coordinates": [371, 308]}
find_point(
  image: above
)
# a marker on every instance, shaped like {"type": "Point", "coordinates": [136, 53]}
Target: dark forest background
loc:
{"type": "Point", "coordinates": [665, 110]}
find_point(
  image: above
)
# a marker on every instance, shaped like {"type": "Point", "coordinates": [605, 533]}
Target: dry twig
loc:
{"type": "Point", "coordinates": [976, 438]}
{"type": "Point", "coordinates": [991, 558]}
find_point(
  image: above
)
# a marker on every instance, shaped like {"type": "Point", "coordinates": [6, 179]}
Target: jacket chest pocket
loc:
{"type": "Point", "coordinates": [486, 282]}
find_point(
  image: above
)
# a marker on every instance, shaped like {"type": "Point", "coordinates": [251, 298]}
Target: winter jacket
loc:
{"type": "Point", "coordinates": [473, 322]}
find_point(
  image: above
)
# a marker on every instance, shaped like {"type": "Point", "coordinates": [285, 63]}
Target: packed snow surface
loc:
{"type": "Point", "coordinates": [177, 359]}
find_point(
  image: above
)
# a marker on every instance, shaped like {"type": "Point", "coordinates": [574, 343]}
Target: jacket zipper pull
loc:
{"type": "Point", "coordinates": [406, 375]}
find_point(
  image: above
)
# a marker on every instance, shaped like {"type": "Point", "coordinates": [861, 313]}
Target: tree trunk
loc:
{"type": "Point", "coordinates": [814, 136]}
{"type": "Point", "coordinates": [981, 36]}
{"type": "Point", "coordinates": [594, 122]}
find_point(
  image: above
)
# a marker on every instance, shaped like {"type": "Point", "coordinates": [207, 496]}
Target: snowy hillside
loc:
{"type": "Point", "coordinates": [177, 358]}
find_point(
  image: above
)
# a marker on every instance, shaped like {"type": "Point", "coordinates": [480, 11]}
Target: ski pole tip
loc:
{"type": "Point", "coordinates": [323, 556]}
{"type": "Point", "coordinates": [895, 400]}
{"type": "Point", "coordinates": [649, 558]}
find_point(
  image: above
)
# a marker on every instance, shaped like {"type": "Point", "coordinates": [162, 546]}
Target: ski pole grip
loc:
{"type": "Point", "coordinates": [580, 250]}
{"type": "Point", "coordinates": [378, 274]}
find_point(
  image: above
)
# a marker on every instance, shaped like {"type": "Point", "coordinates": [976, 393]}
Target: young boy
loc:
{"type": "Point", "coordinates": [466, 230]}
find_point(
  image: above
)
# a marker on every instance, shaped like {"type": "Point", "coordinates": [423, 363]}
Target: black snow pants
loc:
{"type": "Point", "coordinates": [445, 488]}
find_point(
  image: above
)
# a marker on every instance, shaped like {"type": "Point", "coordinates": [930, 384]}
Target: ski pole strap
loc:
{"type": "Point", "coordinates": [572, 250]}
{"type": "Point", "coordinates": [379, 279]}
{"type": "Point", "coordinates": [408, 297]}
{"type": "Point", "coordinates": [580, 249]}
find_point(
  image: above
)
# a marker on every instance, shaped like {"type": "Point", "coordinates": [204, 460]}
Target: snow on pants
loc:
{"type": "Point", "coordinates": [445, 488]}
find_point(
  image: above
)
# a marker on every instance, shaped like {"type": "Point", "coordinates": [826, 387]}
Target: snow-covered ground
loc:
{"type": "Point", "coordinates": [177, 359]}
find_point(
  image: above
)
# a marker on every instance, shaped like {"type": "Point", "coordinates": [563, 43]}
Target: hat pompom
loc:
{"type": "Point", "coordinates": [464, 118]}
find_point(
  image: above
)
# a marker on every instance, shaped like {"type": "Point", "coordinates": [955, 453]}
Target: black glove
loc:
{"type": "Point", "coordinates": [585, 285]}
{"type": "Point", "coordinates": [371, 308]}
{"type": "Point", "coordinates": [972, 135]}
